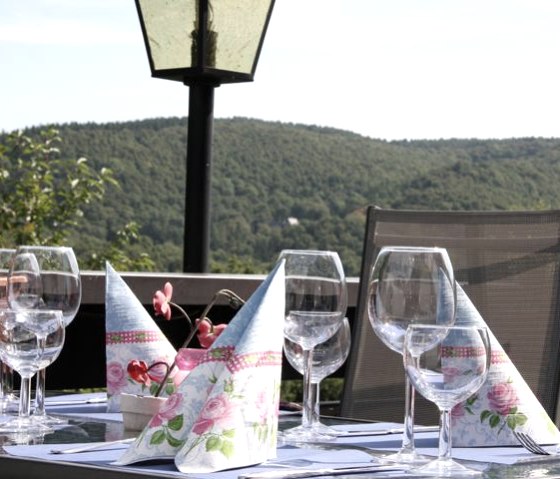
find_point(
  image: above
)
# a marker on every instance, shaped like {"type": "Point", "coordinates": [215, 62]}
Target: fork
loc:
{"type": "Point", "coordinates": [530, 444]}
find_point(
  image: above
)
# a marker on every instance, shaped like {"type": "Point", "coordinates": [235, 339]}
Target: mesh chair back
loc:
{"type": "Point", "coordinates": [507, 262]}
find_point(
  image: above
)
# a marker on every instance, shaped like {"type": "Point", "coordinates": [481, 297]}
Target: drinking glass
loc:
{"type": "Point", "coordinates": [409, 285]}
{"type": "Point", "coordinates": [327, 358]}
{"type": "Point", "coordinates": [45, 277]}
{"type": "Point", "coordinates": [316, 300]}
{"type": "Point", "coordinates": [30, 340]}
{"type": "Point", "coordinates": [7, 396]}
{"type": "Point", "coordinates": [446, 365]}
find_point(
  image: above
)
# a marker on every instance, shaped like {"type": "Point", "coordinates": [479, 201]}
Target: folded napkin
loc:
{"type": "Point", "coordinates": [504, 402]}
{"type": "Point", "coordinates": [131, 334]}
{"type": "Point", "coordinates": [224, 415]}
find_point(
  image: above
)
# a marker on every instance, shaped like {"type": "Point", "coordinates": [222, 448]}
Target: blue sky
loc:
{"type": "Point", "coordinates": [389, 69]}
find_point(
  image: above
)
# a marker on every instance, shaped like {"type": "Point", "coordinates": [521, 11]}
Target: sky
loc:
{"type": "Point", "coordinates": [385, 69]}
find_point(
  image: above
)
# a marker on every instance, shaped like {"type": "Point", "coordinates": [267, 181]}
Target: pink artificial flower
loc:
{"type": "Point", "coordinates": [138, 371]}
{"type": "Point", "coordinates": [168, 410]}
{"type": "Point", "coordinates": [208, 333]}
{"type": "Point", "coordinates": [116, 377]}
{"type": "Point", "coordinates": [502, 398]}
{"type": "Point", "coordinates": [161, 301]}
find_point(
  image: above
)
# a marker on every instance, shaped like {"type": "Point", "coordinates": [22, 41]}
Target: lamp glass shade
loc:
{"type": "Point", "coordinates": [233, 36]}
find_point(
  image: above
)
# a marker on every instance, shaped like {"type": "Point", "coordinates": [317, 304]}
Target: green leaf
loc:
{"type": "Point", "coordinates": [227, 449]}
{"type": "Point", "coordinates": [484, 415]}
{"type": "Point", "coordinates": [494, 420]}
{"type": "Point", "coordinates": [173, 441]}
{"type": "Point", "coordinates": [230, 433]}
{"type": "Point", "coordinates": [213, 443]}
{"type": "Point", "coordinates": [176, 423]}
{"type": "Point", "coordinates": [157, 437]}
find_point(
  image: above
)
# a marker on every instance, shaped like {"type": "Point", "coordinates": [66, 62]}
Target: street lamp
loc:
{"type": "Point", "coordinates": [202, 43]}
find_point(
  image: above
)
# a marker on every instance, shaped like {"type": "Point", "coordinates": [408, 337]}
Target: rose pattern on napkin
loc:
{"type": "Point", "coordinates": [225, 413]}
{"type": "Point", "coordinates": [504, 403]}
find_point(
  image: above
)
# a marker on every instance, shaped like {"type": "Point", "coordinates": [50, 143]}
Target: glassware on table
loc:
{"type": "Point", "coordinates": [45, 277]}
{"type": "Point", "coordinates": [316, 300]}
{"type": "Point", "coordinates": [409, 285]}
{"type": "Point", "coordinates": [30, 340]}
{"type": "Point", "coordinates": [7, 397]}
{"type": "Point", "coordinates": [447, 365]}
{"type": "Point", "coordinates": [327, 358]}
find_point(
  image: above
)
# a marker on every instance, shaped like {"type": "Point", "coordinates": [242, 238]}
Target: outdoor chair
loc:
{"type": "Point", "coordinates": [508, 264]}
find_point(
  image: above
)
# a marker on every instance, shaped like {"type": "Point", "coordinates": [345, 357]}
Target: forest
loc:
{"type": "Point", "coordinates": [281, 185]}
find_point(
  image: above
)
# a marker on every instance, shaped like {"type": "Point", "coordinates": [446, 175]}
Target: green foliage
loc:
{"type": "Point", "coordinates": [277, 186]}
{"type": "Point", "coordinates": [42, 194]}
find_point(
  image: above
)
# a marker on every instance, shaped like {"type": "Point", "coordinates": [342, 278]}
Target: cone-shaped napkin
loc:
{"type": "Point", "coordinates": [504, 402]}
{"type": "Point", "coordinates": [130, 334]}
{"type": "Point", "coordinates": [225, 413]}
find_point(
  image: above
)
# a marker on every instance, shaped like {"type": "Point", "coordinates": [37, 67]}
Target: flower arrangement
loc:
{"type": "Point", "coordinates": [157, 376]}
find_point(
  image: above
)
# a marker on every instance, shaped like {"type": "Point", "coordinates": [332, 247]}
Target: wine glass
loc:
{"type": "Point", "coordinates": [327, 358]}
{"type": "Point", "coordinates": [45, 277]}
{"type": "Point", "coordinates": [446, 364]}
{"type": "Point", "coordinates": [316, 300]}
{"type": "Point", "coordinates": [410, 285]}
{"type": "Point", "coordinates": [30, 340]}
{"type": "Point", "coordinates": [7, 396]}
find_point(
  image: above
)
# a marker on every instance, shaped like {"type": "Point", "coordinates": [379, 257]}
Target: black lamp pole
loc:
{"type": "Point", "coordinates": [184, 44]}
{"type": "Point", "coordinates": [199, 162]}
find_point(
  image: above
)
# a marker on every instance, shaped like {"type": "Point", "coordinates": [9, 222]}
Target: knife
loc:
{"type": "Point", "coordinates": [300, 473]}
{"type": "Point", "coordinates": [386, 432]}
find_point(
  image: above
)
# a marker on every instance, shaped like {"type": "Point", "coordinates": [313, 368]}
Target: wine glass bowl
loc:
{"type": "Point", "coordinates": [328, 356]}
{"type": "Point", "coordinates": [316, 301]}
{"type": "Point", "coordinates": [447, 365]}
{"type": "Point", "coordinates": [45, 277]}
{"type": "Point", "coordinates": [409, 285]}
{"type": "Point", "coordinates": [30, 340]}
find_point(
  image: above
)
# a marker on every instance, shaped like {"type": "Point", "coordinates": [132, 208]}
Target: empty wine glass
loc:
{"type": "Point", "coordinates": [30, 340]}
{"type": "Point", "coordinates": [409, 285]}
{"type": "Point", "coordinates": [446, 365]}
{"type": "Point", "coordinates": [45, 277]}
{"type": "Point", "coordinates": [7, 396]}
{"type": "Point", "coordinates": [316, 300]}
{"type": "Point", "coordinates": [327, 358]}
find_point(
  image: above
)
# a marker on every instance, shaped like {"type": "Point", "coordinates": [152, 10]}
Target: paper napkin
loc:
{"type": "Point", "coordinates": [504, 402]}
{"type": "Point", "coordinates": [130, 334]}
{"type": "Point", "coordinates": [224, 415]}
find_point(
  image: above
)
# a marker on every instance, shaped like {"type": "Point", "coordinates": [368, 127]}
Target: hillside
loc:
{"type": "Point", "coordinates": [265, 173]}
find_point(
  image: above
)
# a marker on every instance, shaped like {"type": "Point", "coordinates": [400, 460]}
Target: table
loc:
{"type": "Point", "coordinates": [88, 422]}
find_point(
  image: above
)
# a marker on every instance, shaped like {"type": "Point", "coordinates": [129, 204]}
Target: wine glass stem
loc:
{"type": "Point", "coordinates": [314, 391]}
{"type": "Point", "coordinates": [308, 404]}
{"type": "Point", "coordinates": [40, 392]}
{"type": "Point", "coordinates": [408, 436]}
{"type": "Point", "coordinates": [444, 451]}
{"type": "Point", "coordinates": [25, 397]}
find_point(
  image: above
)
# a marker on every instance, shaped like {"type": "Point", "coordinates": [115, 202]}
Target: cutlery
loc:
{"type": "Point", "coordinates": [91, 447]}
{"type": "Point", "coordinates": [530, 444]}
{"type": "Point", "coordinates": [301, 473]}
{"type": "Point", "coordinates": [386, 432]}
{"type": "Point", "coordinates": [71, 402]}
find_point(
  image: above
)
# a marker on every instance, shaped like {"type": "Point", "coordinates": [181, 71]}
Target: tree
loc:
{"type": "Point", "coordinates": [42, 195]}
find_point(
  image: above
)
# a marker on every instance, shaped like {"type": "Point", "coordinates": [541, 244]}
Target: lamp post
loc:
{"type": "Point", "coordinates": [202, 43]}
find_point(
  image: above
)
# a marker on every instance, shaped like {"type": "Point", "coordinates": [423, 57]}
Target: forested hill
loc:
{"type": "Point", "coordinates": [277, 185]}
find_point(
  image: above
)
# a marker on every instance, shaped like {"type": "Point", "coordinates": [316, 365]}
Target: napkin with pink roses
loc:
{"type": "Point", "coordinates": [224, 414]}
{"type": "Point", "coordinates": [135, 345]}
{"type": "Point", "coordinates": [503, 404]}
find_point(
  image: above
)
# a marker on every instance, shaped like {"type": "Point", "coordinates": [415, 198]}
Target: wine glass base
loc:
{"type": "Point", "coordinates": [408, 457]}
{"type": "Point", "coordinates": [47, 421]}
{"type": "Point", "coordinates": [445, 468]}
{"type": "Point", "coordinates": [24, 426]}
{"type": "Point", "coordinates": [303, 434]}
